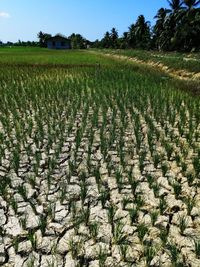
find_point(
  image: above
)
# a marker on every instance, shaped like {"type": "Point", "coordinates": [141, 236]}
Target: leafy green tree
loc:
{"type": "Point", "coordinates": [114, 38]}
{"type": "Point", "coordinates": [142, 33]}
{"type": "Point", "coordinates": [191, 3]}
{"type": "Point", "coordinates": [78, 41]}
{"type": "Point", "coordinates": [106, 41]}
{"type": "Point", "coordinates": [159, 36]}
{"type": "Point", "coordinates": [43, 38]}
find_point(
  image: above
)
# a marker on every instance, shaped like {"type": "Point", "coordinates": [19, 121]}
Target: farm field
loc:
{"type": "Point", "coordinates": [178, 61]}
{"type": "Point", "coordinates": [99, 163]}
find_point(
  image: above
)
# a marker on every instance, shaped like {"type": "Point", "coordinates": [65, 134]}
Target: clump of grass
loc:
{"type": "Point", "coordinates": [118, 234]}
{"type": "Point", "coordinates": [190, 202]}
{"type": "Point", "coordinates": [183, 222]}
{"type": "Point", "coordinates": [149, 253]}
{"type": "Point", "coordinates": [102, 255]}
{"type": "Point", "coordinates": [163, 235]}
{"type": "Point", "coordinates": [123, 251]}
{"type": "Point", "coordinates": [94, 229]}
{"type": "Point", "coordinates": [154, 216]}
{"type": "Point", "coordinates": [142, 230]}
{"type": "Point", "coordinates": [162, 205]}
{"type": "Point", "coordinates": [197, 248]}
{"type": "Point", "coordinates": [174, 253]}
{"type": "Point", "coordinates": [133, 215]}
{"type": "Point", "coordinates": [177, 189]}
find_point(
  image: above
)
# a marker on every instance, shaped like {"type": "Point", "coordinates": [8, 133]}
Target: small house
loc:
{"type": "Point", "coordinates": [58, 42]}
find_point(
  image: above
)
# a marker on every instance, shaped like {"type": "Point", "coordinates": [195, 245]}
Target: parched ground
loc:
{"type": "Point", "coordinates": [98, 168]}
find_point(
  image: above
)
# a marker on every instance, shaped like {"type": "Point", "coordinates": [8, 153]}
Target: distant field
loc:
{"type": "Point", "coordinates": [99, 166]}
{"type": "Point", "coordinates": [23, 55]}
{"type": "Point", "coordinates": [183, 61]}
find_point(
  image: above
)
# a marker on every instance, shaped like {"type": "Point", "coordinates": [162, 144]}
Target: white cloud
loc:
{"type": "Point", "coordinates": [4, 15]}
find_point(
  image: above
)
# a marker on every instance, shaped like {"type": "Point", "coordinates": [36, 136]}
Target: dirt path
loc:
{"type": "Point", "coordinates": [178, 74]}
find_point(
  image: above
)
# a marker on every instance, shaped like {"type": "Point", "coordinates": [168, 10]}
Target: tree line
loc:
{"type": "Point", "coordinates": [177, 28]}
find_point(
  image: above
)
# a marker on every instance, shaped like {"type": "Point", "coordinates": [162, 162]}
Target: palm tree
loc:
{"type": "Point", "coordinates": [175, 5]}
{"type": "Point", "coordinates": [131, 36]}
{"type": "Point", "coordinates": [142, 32]}
{"type": "Point", "coordinates": [191, 3]}
{"type": "Point", "coordinates": [114, 37]}
{"type": "Point", "coordinates": [159, 28]}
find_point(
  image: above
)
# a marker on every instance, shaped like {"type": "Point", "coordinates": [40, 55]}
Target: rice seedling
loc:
{"type": "Point", "coordinates": [133, 215]}
{"type": "Point", "coordinates": [102, 256]}
{"type": "Point", "coordinates": [119, 236]}
{"type": "Point", "coordinates": [174, 253]}
{"type": "Point", "coordinates": [149, 253]}
{"type": "Point", "coordinates": [94, 229]}
{"type": "Point", "coordinates": [177, 189]}
{"type": "Point", "coordinates": [190, 203]}
{"type": "Point", "coordinates": [197, 248]}
{"type": "Point", "coordinates": [154, 216]}
{"type": "Point", "coordinates": [162, 205]}
{"type": "Point", "coordinates": [183, 222]}
{"type": "Point", "coordinates": [142, 230]}
{"type": "Point", "coordinates": [163, 236]}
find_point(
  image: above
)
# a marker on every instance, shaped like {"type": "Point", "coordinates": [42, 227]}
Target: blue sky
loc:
{"type": "Point", "coordinates": [23, 19]}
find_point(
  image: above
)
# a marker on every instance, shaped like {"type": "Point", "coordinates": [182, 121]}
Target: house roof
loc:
{"type": "Point", "coordinates": [58, 37]}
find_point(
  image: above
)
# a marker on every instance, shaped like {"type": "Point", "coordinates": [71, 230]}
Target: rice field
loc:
{"type": "Point", "coordinates": [99, 165]}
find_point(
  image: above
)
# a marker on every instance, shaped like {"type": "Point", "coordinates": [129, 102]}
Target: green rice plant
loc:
{"type": "Point", "coordinates": [156, 189]}
{"type": "Point", "coordinates": [196, 164]}
{"type": "Point", "coordinates": [125, 201]}
{"type": "Point", "coordinates": [85, 215]}
{"type": "Point", "coordinates": [75, 248]}
{"type": "Point", "coordinates": [139, 201]}
{"type": "Point", "coordinates": [51, 210]}
{"type": "Point", "coordinates": [94, 229]}
{"type": "Point", "coordinates": [23, 192]}
{"type": "Point", "coordinates": [177, 158]}
{"type": "Point", "coordinates": [13, 203]}
{"type": "Point", "coordinates": [32, 237]}
{"type": "Point", "coordinates": [119, 236]}
{"type": "Point", "coordinates": [174, 253]}
{"type": "Point", "coordinates": [156, 160]}
{"type": "Point", "coordinates": [43, 223]}
{"type": "Point", "coordinates": [111, 213]}
{"type": "Point", "coordinates": [104, 197]}
{"type": "Point", "coordinates": [164, 236]}
{"type": "Point", "coordinates": [184, 167]}
{"type": "Point", "coordinates": [169, 150]}
{"type": "Point", "coordinates": [197, 248]}
{"type": "Point", "coordinates": [15, 243]}
{"type": "Point", "coordinates": [133, 213]}
{"type": "Point", "coordinates": [190, 178]}
{"type": "Point", "coordinates": [31, 262]}
{"type": "Point", "coordinates": [190, 203]}
{"type": "Point", "coordinates": [149, 253]}
{"type": "Point", "coordinates": [123, 251]}
{"type": "Point", "coordinates": [134, 183]}
{"type": "Point", "coordinates": [32, 180]}
{"type": "Point", "coordinates": [162, 205]}
{"type": "Point", "coordinates": [16, 160]}
{"type": "Point", "coordinates": [119, 180]}
{"type": "Point", "coordinates": [63, 192]}
{"type": "Point", "coordinates": [97, 176]}
{"type": "Point", "coordinates": [154, 216]}
{"type": "Point", "coordinates": [183, 223]}
{"type": "Point", "coordinates": [177, 189]}
{"type": "Point", "coordinates": [84, 191]}
{"type": "Point", "coordinates": [142, 230]}
{"type": "Point", "coordinates": [150, 180]}
{"type": "Point", "coordinates": [164, 168]}
{"type": "Point", "coordinates": [102, 256]}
